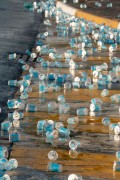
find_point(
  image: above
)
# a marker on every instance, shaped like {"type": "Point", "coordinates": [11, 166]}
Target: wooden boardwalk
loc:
{"type": "Point", "coordinates": [103, 11]}
{"type": "Point", "coordinates": [95, 158]}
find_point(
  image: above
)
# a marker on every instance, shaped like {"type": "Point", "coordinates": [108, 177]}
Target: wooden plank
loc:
{"type": "Point", "coordinates": [86, 123]}
{"type": "Point", "coordinates": [86, 164]}
{"type": "Point", "coordinates": [98, 145]}
{"type": "Point", "coordinates": [76, 95]}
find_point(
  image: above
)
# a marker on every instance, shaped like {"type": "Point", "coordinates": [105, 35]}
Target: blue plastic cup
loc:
{"type": "Point", "coordinates": [95, 107]}
{"type": "Point", "coordinates": [112, 126]}
{"type": "Point", "coordinates": [61, 98]}
{"type": "Point", "coordinates": [49, 126]}
{"type": "Point", "coordinates": [21, 61]}
{"type": "Point", "coordinates": [52, 106]}
{"type": "Point", "coordinates": [118, 155]}
{"type": "Point", "coordinates": [101, 82]}
{"type": "Point", "coordinates": [12, 56]}
{"type": "Point", "coordinates": [64, 108]}
{"type": "Point", "coordinates": [35, 74]}
{"type": "Point", "coordinates": [52, 135]}
{"type": "Point", "coordinates": [14, 137]}
{"type": "Point", "coordinates": [40, 60]}
{"type": "Point", "coordinates": [25, 67]}
{"type": "Point", "coordinates": [73, 120]}
{"type": "Point", "coordinates": [41, 124]}
{"type": "Point", "coordinates": [60, 79]}
{"type": "Point", "coordinates": [27, 77]}
{"type": "Point", "coordinates": [28, 52]}
{"type": "Point", "coordinates": [115, 60]}
{"type": "Point", "coordinates": [54, 167]}
{"type": "Point", "coordinates": [67, 85]}
{"type": "Point", "coordinates": [93, 68]}
{"type": "Point", "coordinates": [31, 70]}
{"type": "Point", "coordinates": [104, 93]}
{"type": "Point", "coordinates": [117, 130]}
{"type": "Point", "coordinates": [31, 108]}
{"type": "Point", "coordinates": [42, 88]}
{"type": "Point", "coordinates": [84, 74]}
{"type": "Point", "coordinates": [14, 163]}
{"type": "Point", "coordinates": [56, 88]}
{"type": "Point", "coordinates": [26, 89]}
{"type": "Point", "coordinates": [33, 55]}
{"type": "Point", "coordinates": [58, 125]}
{"type": "Point", "coordinates": [42, 77]}
{"type": "Point", "coordinates": [2, 173]}
{"type": "Point", "coordinates": [106, 121]}
{"type": "Point", "coordinates": [24, 83]}
{"type": "Point", "coordinates": [5, 126]}
{"type": "Point", "coordinates": [96, 101]}
{"type": "Point", "coordinates": [3, 152]}
{"type": "Point", "coordinates": [82, 111]}
{"type": "Point", "coordinates": [58, 64]}
{"type": "Point", "coordinates": [73, 144]}
{"type": "Point", "coordinates": [51, 76]}
{"type": "Point", "coordinates": [20, 115]}
{"type": "Point", "coordinates": [63, 131]}
{"type": "Point", "coordinates": [12, 82]}
{"type": "Point", "coordinates": [74, 176]}
{"type": "Point", "coordinates": [11, 104]}
{"type": "Point", "coordinates": [24, 95]}
{"type": "Point", "coordinates": [116, 166]}
{"type": "Point", "coordinates": [76, 84]}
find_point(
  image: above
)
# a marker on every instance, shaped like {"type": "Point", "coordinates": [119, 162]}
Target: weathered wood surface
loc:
{"type": "Point", "coordinates": [110, 13]}
{"type": "Point", "coordinates": [94, 159]}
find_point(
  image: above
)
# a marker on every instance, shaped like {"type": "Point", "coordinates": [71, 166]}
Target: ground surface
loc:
{"type": "Point", "coordinates": [111, 13]}
{"type": "Point", "coordinates": [97, 153]}
{"type": "Point", "coordinates": [18, 29]}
